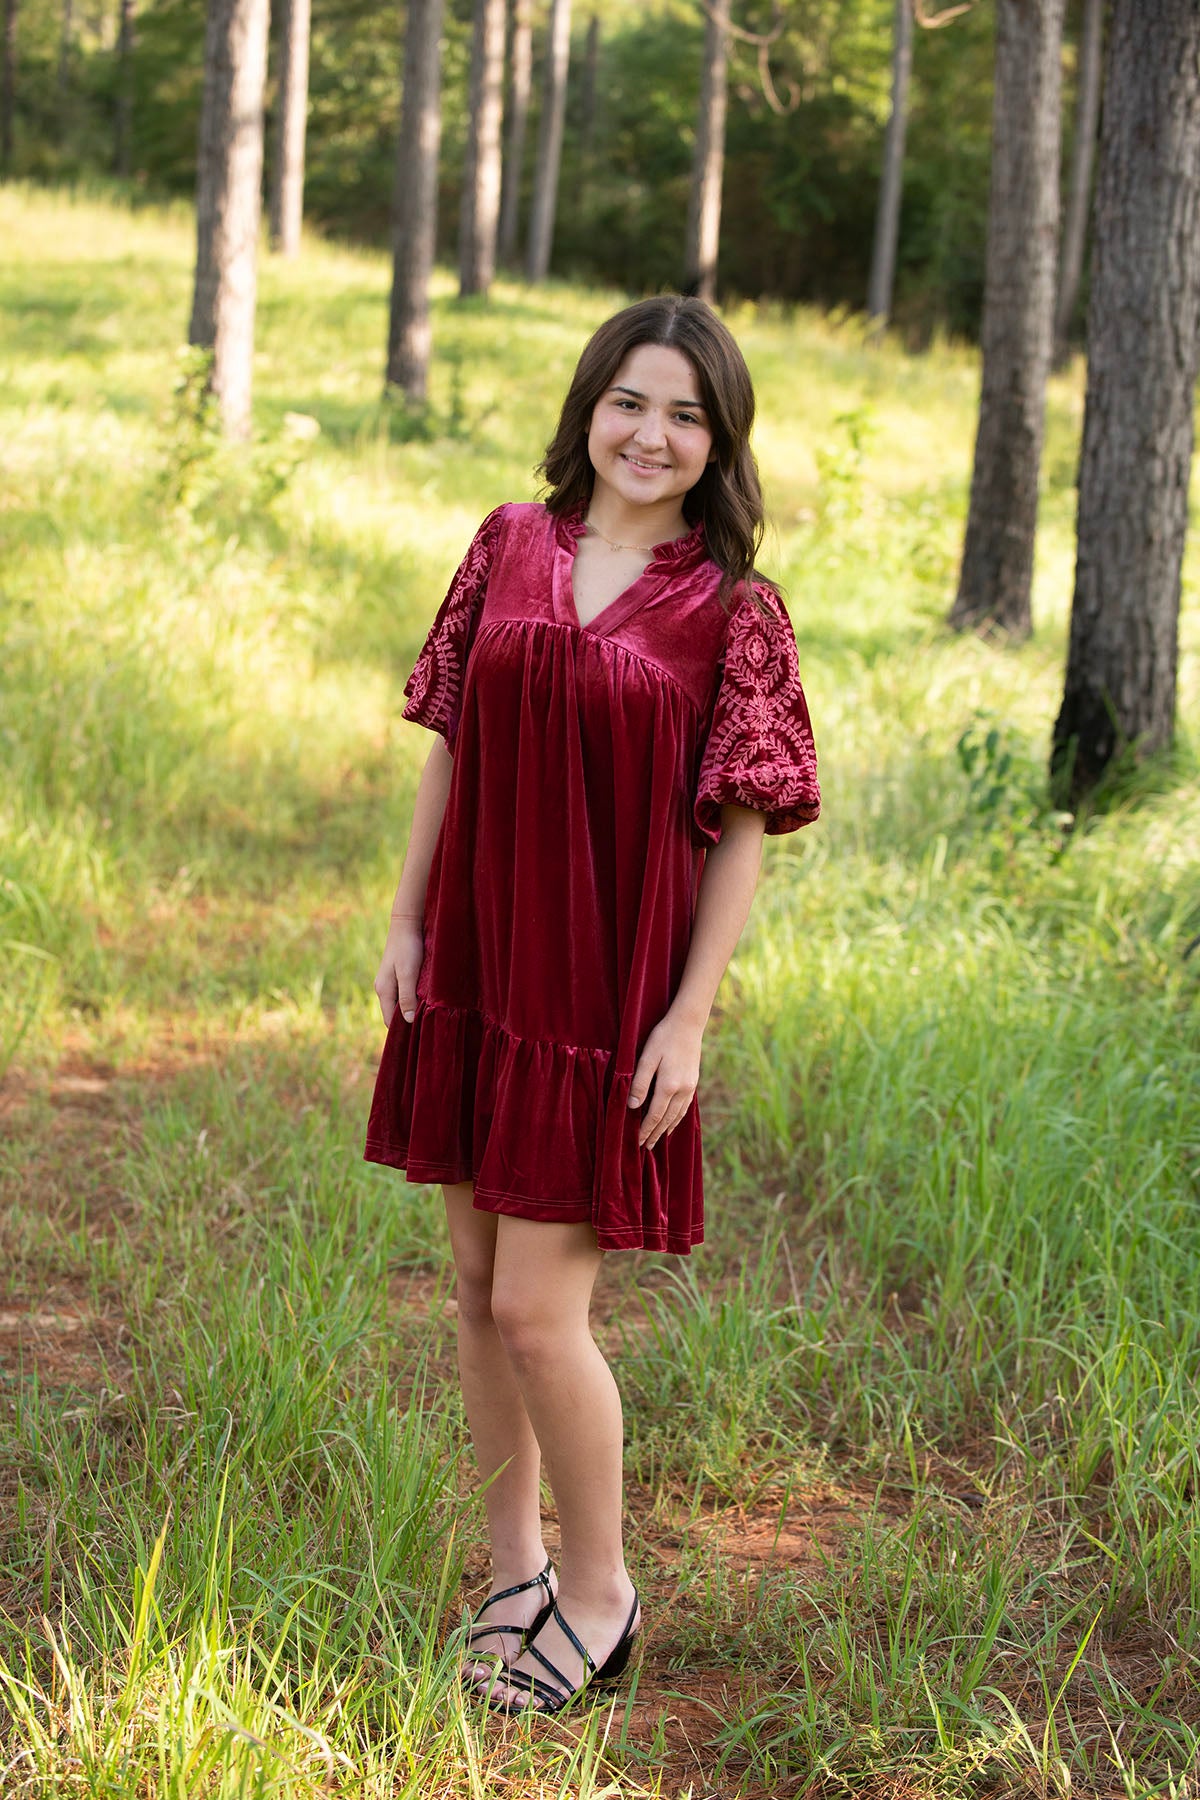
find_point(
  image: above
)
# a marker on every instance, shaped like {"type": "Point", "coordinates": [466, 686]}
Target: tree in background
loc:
{"type": "Point", "coordinates": [480, 213]}
{"type": "Point", "coordinates": [887, 218]}
{"type": "Point", "coordinates": [550, 136]}
{"type": "Point", "coordinates": [589, 104]}
{"type": "Point", "coordinates": [1079, 188]}
{"type": "Point", "coordinates": [1018, 312]}
{"type": "Point", "coordinates": [8, 85]}
{"type": "Point", "coordinates": [287, 163]}
{"type": "Point", "coordinates": [64, 49]}
{"type": "Point", "coordinates": [229, 201]}
{"type": "Point", "coordinates": [123, 139]}
{"type": "Point", "coordinates": [1143, 346]}
{"type": "Point", "coordinates": [708, 160]}
{"type": "Point", "coordinates": [881, 281]}
{"type": "Point", "coordinates": [520, 87]}
{"type": "Point", "coordinates": [414, 213]}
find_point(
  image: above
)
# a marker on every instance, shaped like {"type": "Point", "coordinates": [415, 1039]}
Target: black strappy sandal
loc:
{"type": "Point", "coordinates": [481, 1629]}
{"type": "Point", "coordinates": [545, 1698]}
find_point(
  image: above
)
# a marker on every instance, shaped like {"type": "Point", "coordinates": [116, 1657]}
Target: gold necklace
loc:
{"type": "Point", "coordinates": [612, 542]}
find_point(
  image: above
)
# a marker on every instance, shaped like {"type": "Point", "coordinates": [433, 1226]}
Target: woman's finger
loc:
{"type": "Point", "coordinates": [643, 1076]}
{"type": "Point", "coordinates": [674, 1116]}
{"type": "Point", "coordinates": [667, 1111]}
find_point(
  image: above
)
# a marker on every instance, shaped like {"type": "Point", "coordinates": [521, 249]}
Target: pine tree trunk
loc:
{"type": "Point", "coordinates": [1143, 347]}
{"type": "Point", "coordinates": [520, 87]}
{"type": "Point", "coordinates": [414, 208]}
{"type": "Point", "coordinates": [891, 180]}
{"type": "Point", "coordinates": [550, 135]}
{"type": "Point", "coordinates": [481, 171]}
{"type": "Point", "coordinates": [229, 201]}
{"type": "Point", "coordinates": [123, 148]}
{"type": "Point", "coordinates": [287, 164]}
{"type": "Point", "coordinates": [708, 158]}
{"type": "Point", "coordinates": [589, 101]}
{"type": "Point", "coordinates": [1079, 190]}
{"type": "Point", "coordinates": [8, 85]}
{"type": "Point", "coordinates": [65, 41]}
{"type": "Point", "coordinates": [1018, 314]}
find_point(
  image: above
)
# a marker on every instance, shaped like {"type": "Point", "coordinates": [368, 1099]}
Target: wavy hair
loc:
{"type": "Point", "coordinates": [727, 498]}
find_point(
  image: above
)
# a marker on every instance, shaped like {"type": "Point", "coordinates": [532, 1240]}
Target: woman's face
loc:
{"type": "Point", "coordinates": [650, 438]}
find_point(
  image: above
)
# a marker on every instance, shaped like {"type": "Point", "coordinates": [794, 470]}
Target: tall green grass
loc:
{"type": "Point", "coordinates": [952, 1138]}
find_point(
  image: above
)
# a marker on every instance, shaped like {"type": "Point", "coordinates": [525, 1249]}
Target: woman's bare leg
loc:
{"type": "Point", "coordinates": [541, 1291]}
{"type": "Point", "coordinates": [501, 1434]}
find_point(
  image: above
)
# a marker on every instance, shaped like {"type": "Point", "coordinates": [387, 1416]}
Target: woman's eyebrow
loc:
{"type": "Point", "coordinates": [635, 394]}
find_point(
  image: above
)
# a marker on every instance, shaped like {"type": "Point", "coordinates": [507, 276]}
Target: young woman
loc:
{"type": "Point", "coordinates": [619, 719]}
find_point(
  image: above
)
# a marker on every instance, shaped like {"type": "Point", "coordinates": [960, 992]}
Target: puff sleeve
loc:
{"type": "Point", "coordinates": [759, 751]}
{"type": "Point", "coordinates": [434, 689]}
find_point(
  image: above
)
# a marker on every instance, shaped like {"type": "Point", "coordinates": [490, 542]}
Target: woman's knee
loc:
{"type": "Point", "coordinates": [530, 1328]}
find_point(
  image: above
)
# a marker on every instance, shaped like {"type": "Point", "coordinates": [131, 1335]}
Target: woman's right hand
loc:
{"type": "Point", "coordinates": [396, 982]}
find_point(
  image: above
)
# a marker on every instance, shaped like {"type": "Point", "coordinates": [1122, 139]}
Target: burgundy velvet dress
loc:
{"type": "Point", "coordinates": [590, 766]}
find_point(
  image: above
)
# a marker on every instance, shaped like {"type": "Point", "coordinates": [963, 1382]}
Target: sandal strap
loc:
{"type": "Point", "coordinates": [589, 1667]}
{"type": "Point", "coordinates": [542, 1579]}
{"type": "Point", "coordinates": [564, 1689]}
{"type": "Point", "coordinates": [541, 1694]}
{"type": "Point", "coordinates": [486, 1630]}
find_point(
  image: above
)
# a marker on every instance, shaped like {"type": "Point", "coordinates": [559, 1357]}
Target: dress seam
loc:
{"type": "Point", "coordinates": [515, 1037]}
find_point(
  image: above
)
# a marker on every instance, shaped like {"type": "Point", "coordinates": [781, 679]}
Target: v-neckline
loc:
{"type": "Point", "coordinates": [643, 588]}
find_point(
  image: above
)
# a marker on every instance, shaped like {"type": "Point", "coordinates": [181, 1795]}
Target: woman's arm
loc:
{"type": "Point", "coordinates": [396, 982]}
{"type": "Point", "coordinates": [671, 1054]}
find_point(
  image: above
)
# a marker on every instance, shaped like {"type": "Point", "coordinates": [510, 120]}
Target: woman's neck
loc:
{"type": "Point", "coordinates": [635, 525]}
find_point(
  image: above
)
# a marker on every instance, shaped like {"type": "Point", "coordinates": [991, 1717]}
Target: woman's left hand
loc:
{"type": "Point", "coordinates": [671, 1059]}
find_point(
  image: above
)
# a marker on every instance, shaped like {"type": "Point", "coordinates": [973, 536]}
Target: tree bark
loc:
{"type": "Point", "coordinates": [287, 165]}
{"type": "Point", "coordinates": [550, 135]}
{"type": "Point", "coordinates": [8, 85]}
{"type": "Point", "coordinates": [1075, 218]}
{"type": "Point", "coordinates": [589, 100]}
{"type": "Point", "coordinates": [481, 171]}
{"type": "Point", "coordinates": [1143, 348]}
{"type": "Point", "coordinates": [520, 88]}
{"type": "Point", "coordinates": [229, 201]}
{"type": "Point", "coordinates": [891, 180]}
{"type": "Point", "coordinates": [123, 147]}
{"type": "Point", "coordinates": [414, 208]}
{"type": "Point", "coordinates": [1018, 313]}
{"type": "Point", "coordinates": [708, 158]}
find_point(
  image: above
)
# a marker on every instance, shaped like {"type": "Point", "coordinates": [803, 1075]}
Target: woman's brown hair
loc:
{"type": "Point", "coordinates": [727, 498]}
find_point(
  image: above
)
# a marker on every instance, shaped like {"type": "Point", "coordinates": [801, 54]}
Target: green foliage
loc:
{"type": "Point", "coordinates": [800, 186]}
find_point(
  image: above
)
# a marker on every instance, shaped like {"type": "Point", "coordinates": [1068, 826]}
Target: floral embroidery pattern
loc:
{"type": "Point", "coordinates": [434, 688]}
{"type": "Point", "coordinates": [760, 750]}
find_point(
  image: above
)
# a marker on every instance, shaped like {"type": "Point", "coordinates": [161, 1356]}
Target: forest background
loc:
{"type": "Point", "coordinates": [802, 185]}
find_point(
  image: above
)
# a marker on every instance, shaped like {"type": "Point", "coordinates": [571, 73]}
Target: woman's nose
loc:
{"type": "Point", "coordinates": [651, 429]}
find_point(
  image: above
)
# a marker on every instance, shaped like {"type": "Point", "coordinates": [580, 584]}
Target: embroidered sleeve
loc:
{"type": "Point", "coordinates": [434, 688]}
{"type": "Point", "coordinates": [759, 751]}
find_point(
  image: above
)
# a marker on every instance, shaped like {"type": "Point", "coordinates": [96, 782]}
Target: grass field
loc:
{"type": "Point", "coordinates": [913, 1441]}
